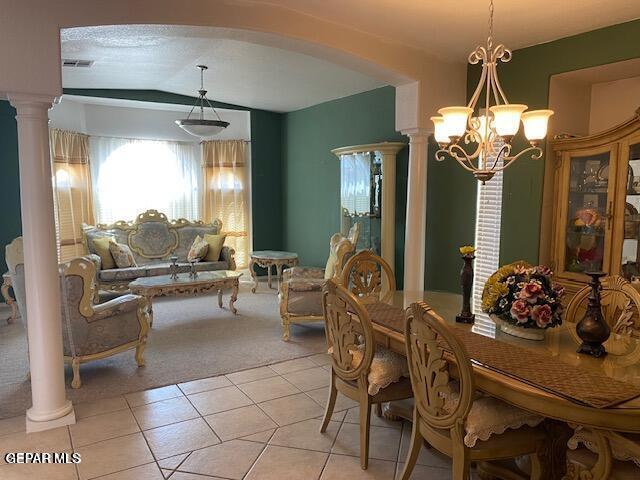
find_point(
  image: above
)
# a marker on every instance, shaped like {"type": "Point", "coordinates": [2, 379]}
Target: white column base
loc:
{"type": "Point", "coordinates": [59, 418]}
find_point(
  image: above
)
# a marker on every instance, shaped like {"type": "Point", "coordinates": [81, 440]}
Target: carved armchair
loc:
{"type": "Point", "coordinates": [301, 289]}
{"type": "Point", "coordinates": [89, 331]}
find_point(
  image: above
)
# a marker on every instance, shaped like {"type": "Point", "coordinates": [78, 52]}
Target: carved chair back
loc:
{"type": "Point", "coordinates": [349, 332]}
{"type": "Point", "coordinates": [341, 247]}
{"type": "Point", "coordinates": [428, 340]}
{"type": "Point", "coordinates": [620, 306]}
{"type": "Point", "coordinates": [369, 277]}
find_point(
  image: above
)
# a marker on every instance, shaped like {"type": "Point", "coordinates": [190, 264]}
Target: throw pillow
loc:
{"type": "Point", "coordinates": [215, 243]}
{"type": "Point", "coordinates": [122, 255]}
{"type": "Point", "coordinates": [198, 250]}
{"type": "Point", "coordinates": [101, 246]}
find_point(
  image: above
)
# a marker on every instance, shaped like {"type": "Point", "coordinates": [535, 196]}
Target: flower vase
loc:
{"type": "Point", "coordinates": [520, 332]}
{"type": "Point", "coordinates": [466, 282]}
{"type": "Point", "coordinates": [593, 330]}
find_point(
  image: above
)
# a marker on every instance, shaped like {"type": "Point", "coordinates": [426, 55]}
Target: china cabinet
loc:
{"type": "Point", "coordinates": [367, 195]}
{"type": "Point", "coordinates": [596, 200]}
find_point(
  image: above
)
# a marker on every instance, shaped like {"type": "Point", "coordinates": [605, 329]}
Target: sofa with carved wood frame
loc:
{"type": "Point", "coordinates": [153, 240]}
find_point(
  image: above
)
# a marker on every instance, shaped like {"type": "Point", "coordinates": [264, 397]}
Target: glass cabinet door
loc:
{"type": "Point", "coordinates": [630, 262]}
{"type": "Point", "coordinates": [589, 208]}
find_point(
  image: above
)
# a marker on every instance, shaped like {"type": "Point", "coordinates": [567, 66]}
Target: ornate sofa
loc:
{"type": "Point", "coordinates": [89, 332]}
{"type": "Point", "coordinates": [153, 240]}
{"type": "Point", "coordinates": [301, 289]}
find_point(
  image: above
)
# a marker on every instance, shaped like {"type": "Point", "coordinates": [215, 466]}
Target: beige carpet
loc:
{"type": "Point", "coordinates": [191, 338]}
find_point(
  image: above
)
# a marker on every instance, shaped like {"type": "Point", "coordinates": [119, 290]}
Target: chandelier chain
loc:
{"type": "Point", "coordinates": [490, 38]}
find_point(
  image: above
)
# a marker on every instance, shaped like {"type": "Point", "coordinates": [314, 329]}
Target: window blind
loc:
{"type": "Point", "coordinates": [487, 239]}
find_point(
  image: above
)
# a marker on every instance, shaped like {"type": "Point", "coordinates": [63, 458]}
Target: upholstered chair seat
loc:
{"type": "Point", "coordinates": [89, 331]}
{"type": "Point", "coordinates": [301, 288]}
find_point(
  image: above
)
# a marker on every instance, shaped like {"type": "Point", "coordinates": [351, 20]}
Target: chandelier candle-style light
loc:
{"type": "Point", "coordinates": [201, 127]}
{"type": "Point", "coordinates": [494, 126]}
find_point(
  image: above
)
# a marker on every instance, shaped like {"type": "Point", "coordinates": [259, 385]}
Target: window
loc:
{"type": "Point", "coordinates": [487, 242]}
{"type": "Point", "coordinates": [132, 176]}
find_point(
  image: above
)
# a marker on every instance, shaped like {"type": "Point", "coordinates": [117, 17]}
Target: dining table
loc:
{"type": "Point", "coordinates": [596, 400]}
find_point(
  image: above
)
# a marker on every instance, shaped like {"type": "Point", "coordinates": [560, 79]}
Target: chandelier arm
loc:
{"type": "Point", "coordinates": [497, 82]}
{"type": "Point", "coordinates": [536, 154]}
{"type": "Point", "coordinates": [494, 77]}
{"type": "Point", "coordinates": [192, 109]}
{"type": "Point", "coordinates": [476, 93]}
{"type": "Point", "coordinates": [464, 158]}
{"type": "Point", "coordinates": [504, 148]}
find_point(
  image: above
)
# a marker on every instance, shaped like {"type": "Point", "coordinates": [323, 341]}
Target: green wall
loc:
{"type": "Point", "coordinates": [526, 80]}
{"type": "Point", "coordinates": [266, 155]}
{"type": "Point", "coordinates": [311, 174]}
{"type": "Point", "coordinates": [10, 224]}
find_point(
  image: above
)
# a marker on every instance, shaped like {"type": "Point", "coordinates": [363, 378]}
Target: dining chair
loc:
{"type": "Point", "coordinates": [450, 415]}
{"type": "Point", "coordinates": [360, 370]}
{"type": "Point", "coordinates": [620, 303]}
{"type": "Point", "coordinates": [369, 277]}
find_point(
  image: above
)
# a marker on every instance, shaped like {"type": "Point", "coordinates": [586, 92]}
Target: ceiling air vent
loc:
{"type": "Point", "coordinates": [71, 62]}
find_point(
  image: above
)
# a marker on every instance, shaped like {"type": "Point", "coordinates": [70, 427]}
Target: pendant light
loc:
{"type": "Point", "coordinates": [199, 126]}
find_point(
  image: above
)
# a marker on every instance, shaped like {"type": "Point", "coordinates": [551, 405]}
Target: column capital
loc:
{"type": "Point", "coordinates": [31, 103]}
{"type": "Point", "coordinates": [417, 134]}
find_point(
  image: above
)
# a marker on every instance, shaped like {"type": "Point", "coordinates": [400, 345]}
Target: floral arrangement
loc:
{"type": "Point", "coordinates": [524, 296]}
{"type": "Point", "coordinates": [467, 251]}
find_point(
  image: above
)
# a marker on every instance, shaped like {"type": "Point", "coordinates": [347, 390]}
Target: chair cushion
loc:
{"type": "Point", "coordinates": [215, 246]}
{"type": "Point", "coordinates": [118, 274]}
{"type": "Point", "coordinates": [101, 246]}
{"type": "Point", "coordinates": [198, 250]}
{"type": "Point", "coordinates": [122, 255]}
{"type": "Point", "coordinates": [490, 416]}
{"type": "Point", "coordinates": [306, 284]}
{"type": "Point", "coordinates": [387, 367]}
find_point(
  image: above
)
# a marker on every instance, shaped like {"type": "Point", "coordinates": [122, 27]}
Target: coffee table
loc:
{"type": "Point", "coordinates": [184, 285]}
{"type": "Point", "coordinates": [271, 258]}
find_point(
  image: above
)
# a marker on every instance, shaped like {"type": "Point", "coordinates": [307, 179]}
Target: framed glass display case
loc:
{"type": "Point", "coordinates": [596, 205]}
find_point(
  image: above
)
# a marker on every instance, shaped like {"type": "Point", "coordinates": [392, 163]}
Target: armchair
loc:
{"type": "Point", "coordinates": [301, 289]}
{"type": "Point", "coordinates": [89, 331]}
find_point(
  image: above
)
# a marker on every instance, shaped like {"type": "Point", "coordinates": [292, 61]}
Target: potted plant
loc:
{"type": "Point", "coordinates": [523, 300]}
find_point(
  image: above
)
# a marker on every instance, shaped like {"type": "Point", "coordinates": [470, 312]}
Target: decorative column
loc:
{"type": "Point", "coordinates": [50, 407]}
{"type": "Point", "coordinates": [416, 222]}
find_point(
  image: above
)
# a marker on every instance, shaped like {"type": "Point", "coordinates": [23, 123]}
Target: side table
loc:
{"type": "Point", "coordinates": [271, 258]}
{"type": "Point", "coordinates": [9, 300]}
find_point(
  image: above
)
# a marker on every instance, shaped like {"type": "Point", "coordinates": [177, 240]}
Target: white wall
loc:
{"type": "Point", "coordinates": [131, 120]}
{"type": "Point", "coordinates": [613, 102]}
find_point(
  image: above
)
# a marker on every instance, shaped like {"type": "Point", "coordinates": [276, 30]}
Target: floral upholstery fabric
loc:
{"type": "Point", "coordinates": [490, 416]}
{"type": "Point", "coordinates": [153, 238]}
{"type": "Point", "coordinates": [186, 237]}
{"type": "Point", "coordinates": [306, 284]}
{"type": "Point", "coordinates": [122, 255]}
{"type": "Point", "coordinates": [198, 250]}
{"type": "Point", "coordinates": [303, 272]}
{"type": "Point", "coordinates": [117, 306]}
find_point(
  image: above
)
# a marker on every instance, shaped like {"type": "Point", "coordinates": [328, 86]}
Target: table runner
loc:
{"type": "Point", "coordinates": [548, 373]}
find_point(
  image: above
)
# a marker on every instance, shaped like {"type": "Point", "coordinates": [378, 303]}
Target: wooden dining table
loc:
{"type": "Point", "coordinates": [603, 425]}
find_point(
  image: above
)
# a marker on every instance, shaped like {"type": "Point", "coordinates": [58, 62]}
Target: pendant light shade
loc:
{"type": "Point", "coordinates": [201, 127]}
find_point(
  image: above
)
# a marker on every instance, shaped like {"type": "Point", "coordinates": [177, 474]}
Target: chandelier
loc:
{"type": "Point", "coordinates": [494, 126]}
{"type": "Point", "coordinates": [201, 127]}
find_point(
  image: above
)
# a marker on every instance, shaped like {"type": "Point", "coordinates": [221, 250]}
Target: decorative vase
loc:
{"type": "Point", "coordinates": [520, 332]}
{"type": "Point", "coordinates": [466, 282]}
{"type": "Point", "coordinates": [592, 329]}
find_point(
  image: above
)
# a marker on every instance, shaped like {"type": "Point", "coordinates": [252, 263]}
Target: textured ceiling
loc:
{"type": "Point", "coordinates": [240, 72]}
{"type": "Point", "coordinates": [452, 28]}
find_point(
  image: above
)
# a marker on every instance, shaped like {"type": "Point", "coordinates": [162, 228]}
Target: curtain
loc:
{"type": "Point", "coordinates": [131, 176]}
{"type": "Point", "coordinates": [72, 197]}
{"type": "Point", "coordinates": [226, 192]}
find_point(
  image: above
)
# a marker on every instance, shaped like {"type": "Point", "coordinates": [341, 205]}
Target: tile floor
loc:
{"type": "Point", "coordinates": [257, 424]}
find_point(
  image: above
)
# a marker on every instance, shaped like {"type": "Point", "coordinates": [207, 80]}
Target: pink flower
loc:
{"type": "Point", "coordinates": [543, 270]}
{"type": "Point", "coordinates": [542, 315]}
{"type": "Point", "coordinates": [520, 311]}
{"type": "Point", "coordinates": [531, 292]}
{"type": "Point", "coordinates": [558, 290]}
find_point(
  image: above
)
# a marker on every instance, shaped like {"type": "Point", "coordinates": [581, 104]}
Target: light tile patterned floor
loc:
{"type": "Point", "coordinates": [259, 424]}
